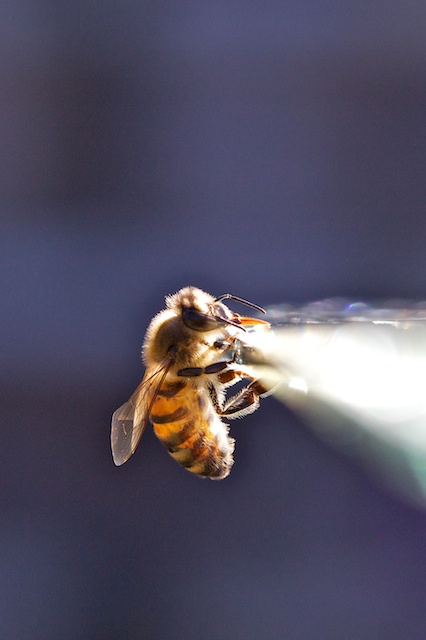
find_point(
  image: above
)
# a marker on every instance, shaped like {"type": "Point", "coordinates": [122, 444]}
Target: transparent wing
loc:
{"type": "Point", "coordinates": [357, 373]}
{"type": "Point", "coordinates": [129, 421]}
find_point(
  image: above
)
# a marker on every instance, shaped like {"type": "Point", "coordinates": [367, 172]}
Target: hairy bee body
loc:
{"type": "Point", "coordinates": [190, 351]}
{"type": "Point", "coordinates": [182, 414]}
{"type": "Point", "coordinates": [186, 423]}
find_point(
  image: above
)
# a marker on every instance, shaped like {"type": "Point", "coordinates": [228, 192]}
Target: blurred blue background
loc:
{"type": "Point", "coordinates": [275, 150]}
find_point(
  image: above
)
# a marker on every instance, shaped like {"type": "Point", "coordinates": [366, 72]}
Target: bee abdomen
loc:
{"type": "Point", "coordinates": [187, 425]}
{"type": "Point", "coordinates": [199, 450]}
{"type": "Point", "coordinates": [168, 418]}
{"type": "Point", "coordinates": [204, 456]}
{"type": "Point", "coordinates": [170, 389]}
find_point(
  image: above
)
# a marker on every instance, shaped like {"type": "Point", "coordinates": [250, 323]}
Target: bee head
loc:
{"type": "Point", "coordinates": [200, 311]}
{"type": "Point", "coordinates": [189, 310]}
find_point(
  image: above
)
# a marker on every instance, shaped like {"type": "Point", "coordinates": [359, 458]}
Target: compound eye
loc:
{"type": "Point", "coordinates": [198, 321]}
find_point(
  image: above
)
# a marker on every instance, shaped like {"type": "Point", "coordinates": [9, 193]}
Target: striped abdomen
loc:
{"type": "Point", "coordinates": [186, 423]}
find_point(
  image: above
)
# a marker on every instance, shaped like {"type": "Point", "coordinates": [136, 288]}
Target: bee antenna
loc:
{"type": "Point", "coordinates": [240, 300]}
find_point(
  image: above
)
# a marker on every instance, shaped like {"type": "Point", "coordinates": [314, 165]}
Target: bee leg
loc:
{"type": "Point", "coordinates": [191, 372]}
{"type": "Point", "coordinates": [244, 402]}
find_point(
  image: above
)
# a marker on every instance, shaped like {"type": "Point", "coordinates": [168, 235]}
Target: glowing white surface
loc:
{"type": "Point", "coordinates": [366, 378]}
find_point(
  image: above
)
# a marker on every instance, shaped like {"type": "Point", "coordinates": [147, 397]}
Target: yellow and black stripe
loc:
{"type": "Point", "coordinates": [186, 423]}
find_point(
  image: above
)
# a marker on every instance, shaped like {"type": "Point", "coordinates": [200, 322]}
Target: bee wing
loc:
{"type": "Point", "coordinates": [129, 421]}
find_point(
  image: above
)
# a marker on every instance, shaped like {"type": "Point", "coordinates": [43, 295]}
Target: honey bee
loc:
{"type": "Point", "coordinates": [191, 352]}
